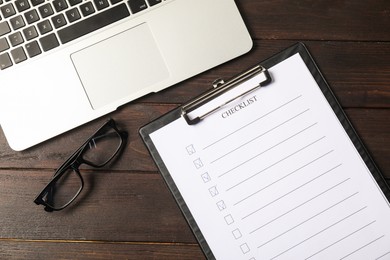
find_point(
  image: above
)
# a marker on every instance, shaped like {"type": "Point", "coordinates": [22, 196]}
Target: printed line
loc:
{"type": "Point", "coordinates": [270, 112]}
{"type": "Point", "coordinates": [388, 253]}
{"type": "Point", "coordinates": [303, 222]}
{"type": "Point", "coordinates": [338, 241]}
{"type": "Point", "coordinates": [357, 250]}
{"type": "Point", "coordinates": [269, 185]}
{"type": "Point", "coordinates": [323, 230]}
{"type": "Point", "coordinates": [267, 150]}
{"type": "Point", "coordinates": [272, 165]}
{"type": "Point", "coordinates": [250, 141]}
{"type": "Point", "coordinates": [288, 193]}
{"type": "Point", "coordinates": [302, 204]}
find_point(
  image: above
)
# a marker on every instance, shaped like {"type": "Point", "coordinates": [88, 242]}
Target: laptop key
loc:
{"type": "Point", "coordinates": [44, 27]}
{"type": "Point", "coordinates": [17, 22]}
{"type": "Point", "coordinates": [18, 55]}
{"type": "Point", "coordinates": [115, 1]}
{"type": "Point", "coordinates": [33, 49]}
{"type": "Point", "coordinates": [5, 61]}
{"type": "Point", "coordinates": [101, 4]}
{"type": "Point", "coordinates": [154, 2]}
{"type": "Point", "coordinates": [74, 2]}
{"type": "Point", "coordinates": [49, 42]}
{"type": "Point", "coordinates": [73, 15]}
{"type": "Point", "coordinates": [37, 2]}
{"type": "Point", "coordinates": [30, 33]}
{"type": "Point", "coordinates": [46, 10]}
{"type": "Point", "coordinates": [58, 21]}
{"type": "Point", "coordinates": [8, 10]}
{"type": "Point", "coordinates": [137, 5]}
{"type": "Point", "coordinates": [4, 28]}
{"type": "Point", "coordinates": [31, 16]}
{"type": "Point", "coordinates": [3, 44]}
{"type": "Point", "coordinates": [60, 5]}
{"type": "Point", "coordinates": [15, 39]}
{"type": "Point", "coordinates": [22, 5]}
{"type": "Point", "coordinates": [87, 9]}
{"type": "Point", "coordinates": [93, 23]}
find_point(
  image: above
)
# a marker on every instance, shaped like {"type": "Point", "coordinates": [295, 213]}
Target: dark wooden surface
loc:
{"type": "Point", "coordinates": [126, 211]}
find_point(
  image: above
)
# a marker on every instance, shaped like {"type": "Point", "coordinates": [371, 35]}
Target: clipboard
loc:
{"type": "Point", "coordinates": [267, 233]}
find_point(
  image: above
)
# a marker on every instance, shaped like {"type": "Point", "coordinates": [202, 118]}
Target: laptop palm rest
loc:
{"type": "Point", "coordinates": [121, 66]}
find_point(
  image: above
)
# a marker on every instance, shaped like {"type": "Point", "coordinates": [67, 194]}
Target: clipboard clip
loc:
{"type": "Point", "coordinates": [221, 87]}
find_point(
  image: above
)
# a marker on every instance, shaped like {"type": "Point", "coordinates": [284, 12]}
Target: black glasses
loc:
{"type": "Point", "coordinates": [67, 181]}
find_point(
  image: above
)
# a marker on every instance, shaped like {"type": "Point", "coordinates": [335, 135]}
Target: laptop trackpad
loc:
{"type": "Point", "coordinates": [120, 66]}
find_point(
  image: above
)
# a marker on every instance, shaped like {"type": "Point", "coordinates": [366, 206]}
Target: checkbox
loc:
{"type": "Point", "coordinates": [229, 219]}
{"type": "Point", "coordinates": [221, 205]}
{"type": "Point", "coordinates": [213, 191]}
{"type": "Point", "coordinates": [206, 177]}
{"type": "Point", "coordinates": [198, 163]}
{"type": "Point", "coordinates": [237, 233]}
{"type": "Point", "coordinates": [190, 149]}
{"type": "Point", "coordinates": [245, 248]}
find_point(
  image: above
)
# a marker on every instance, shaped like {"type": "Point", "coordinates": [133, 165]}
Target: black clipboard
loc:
{"type": "Point", "coordinates": [300, 48]}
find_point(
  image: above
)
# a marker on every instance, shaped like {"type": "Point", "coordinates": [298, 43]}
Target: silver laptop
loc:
{"type": "Point", "coordinates": [66, 62]}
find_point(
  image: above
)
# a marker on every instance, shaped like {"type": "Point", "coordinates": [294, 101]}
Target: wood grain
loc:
{"type": "Point", "coordinates": [359, 73]}
{"type": "Point", "coordinates": [114, 206]}
{"type": "Point", "coordinates": [346, 20]}
{"type": "Point", "coordinates": [125, 210]}
{"type": "Point", "coordinates": [97, 250]}
{"type": "Point", "coordinates": [372, 125]}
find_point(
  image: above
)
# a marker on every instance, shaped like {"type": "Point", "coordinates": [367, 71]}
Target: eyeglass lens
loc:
{"type": "Point", "coordinates": [64, 189]}
{"type": "Point", "coordinates": [102, 147]}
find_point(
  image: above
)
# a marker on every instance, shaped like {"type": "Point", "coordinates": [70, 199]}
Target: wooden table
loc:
{"type": "Point", "coordinates": [126, 210]}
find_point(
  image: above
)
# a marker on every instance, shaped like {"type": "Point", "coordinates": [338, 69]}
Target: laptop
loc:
{"type": "Point", "coordinates": [64, 63]}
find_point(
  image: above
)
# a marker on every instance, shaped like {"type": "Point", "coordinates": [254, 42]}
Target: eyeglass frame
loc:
{"type": "Point", "coordinates": [73, 162]}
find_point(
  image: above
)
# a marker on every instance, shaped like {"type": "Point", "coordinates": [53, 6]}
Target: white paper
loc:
{"type": "Point", "coordinates": [273, 175]}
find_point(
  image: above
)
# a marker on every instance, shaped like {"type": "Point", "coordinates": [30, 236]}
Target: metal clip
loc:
{"type": "Point", "coordinates": [220, 87]}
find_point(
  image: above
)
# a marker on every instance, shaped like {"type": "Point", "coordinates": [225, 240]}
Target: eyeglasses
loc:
{"type": "Point", "coordinates": [67, 181]}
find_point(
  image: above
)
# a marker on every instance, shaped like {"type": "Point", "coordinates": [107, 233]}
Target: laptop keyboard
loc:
{"type": "Point", "coordinates": [31, 27]}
